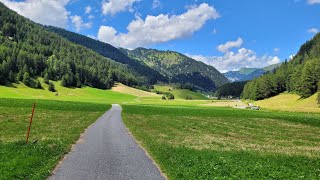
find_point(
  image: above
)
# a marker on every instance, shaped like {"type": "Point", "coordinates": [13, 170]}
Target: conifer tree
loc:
{"type": "Point", "coordinates": [26, 79]}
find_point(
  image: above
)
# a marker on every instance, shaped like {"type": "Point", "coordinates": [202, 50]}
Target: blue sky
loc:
{"type": "Point", "coordinates": [226, 34]}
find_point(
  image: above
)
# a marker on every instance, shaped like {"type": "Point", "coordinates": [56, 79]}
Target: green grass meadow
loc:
{"type": "Point", "coordinates": [187, 140]}
{"type": "Point", "coordinates": [181, 94]}
{"type": "Point", "coordinates": [225, 143]}
{"type": "Point", "coordinates": [56, 126]}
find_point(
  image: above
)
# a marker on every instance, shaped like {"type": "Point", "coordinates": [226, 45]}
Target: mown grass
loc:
{"type": "Point", "coordinates": [224, 143]}
{"type": "Point", "coordinates": [181, 93]}
{"type": "Point", "coordinates": [290, 102]}
{"type": "Point", "coordinates": [56, 126]}
{"type": "Point", "coordinates": [85, 94]}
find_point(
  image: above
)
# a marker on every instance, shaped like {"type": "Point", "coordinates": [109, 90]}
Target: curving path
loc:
{"type": "Point", "coordinates": [107, 151]}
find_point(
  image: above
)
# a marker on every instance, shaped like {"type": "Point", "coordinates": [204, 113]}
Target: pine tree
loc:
{"type": "Point", "coordinates": [308, 83]}
{"type": "Point", "coordinates": [51, 87]}
{"type": "Point", "coordinates": [38, 85]}
{"type": "Point", "coordinates": [64, 81]}
{"type": "Point", "coordinates": [12, 76]}
{"type": "Point", "coordinates": [26, 79]}
{"type": "Point", "coordinates": [46, 78]}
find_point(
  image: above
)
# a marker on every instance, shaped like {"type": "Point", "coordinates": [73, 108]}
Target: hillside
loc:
{"type": "Point", "coordinates": [121, 88]}
{"type": "Point", "coordinates": [179, 68]}
{"type": "Point", "coordinates": [245, 74]}
{"type": "Point", "coordinates": [28, 51]}
{"type": "Point", "coordinates": [107, 50]}
{"type": "Point", "coordinates": [290, 102]}
{"type": "Point", "coordinates": [301, 75]}
{"type": "Point", "coordinates": [84, 94]}
{"type": "Point", "coordinates": [180, 93]}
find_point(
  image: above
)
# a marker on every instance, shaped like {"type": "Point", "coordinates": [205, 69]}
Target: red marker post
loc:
{"type": "Point", "coordinates": [28, 133]}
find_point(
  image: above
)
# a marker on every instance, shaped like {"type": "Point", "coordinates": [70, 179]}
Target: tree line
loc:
{"type": "Point", "coordinates": [300, 75]}
{"type": "Point", "coordinates": [28, 51]}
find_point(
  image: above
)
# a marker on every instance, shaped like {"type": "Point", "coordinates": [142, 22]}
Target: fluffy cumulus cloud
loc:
{"type": "Point", "coordinates": [78, 23]}
{"type": "Point", "coordinates": [158, 29]}
{"type": "Point", "coordinates": [37, 10]}
{"type": "Point", "coordinates": [313, 1]}
{"type": "Point", "coordinates": [313, 30]}
{"type": "Point", "coordinates": [229, 45]}
{"type": "Point", "coordinates": [112, 7]}
{"type": "Point", "coordinates": [234, 60]}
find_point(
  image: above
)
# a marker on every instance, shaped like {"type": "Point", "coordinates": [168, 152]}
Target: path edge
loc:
{"type": "Point", "coordinates": [145, 151]}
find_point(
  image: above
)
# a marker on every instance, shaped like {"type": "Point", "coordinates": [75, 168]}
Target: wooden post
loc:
{"type": "Point", "coordinates": [28, 133]}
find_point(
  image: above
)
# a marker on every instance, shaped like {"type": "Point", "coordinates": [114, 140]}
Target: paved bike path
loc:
{"type": "Point", "coordinates": [107, 151]}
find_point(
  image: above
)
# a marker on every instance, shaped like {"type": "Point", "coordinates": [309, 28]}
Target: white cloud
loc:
{"type": "Point", "coordinates": [44, 12]}
{"type": "Point", "coordinates": [78, 23]}
{"type": "Point", "coordinates": [161, 28]}
{"type": "Point", "coordinates": [155, 3]}
{"type": "Point", "coordinates": [88, 10]}
{"type": "Point", "coordinates": [276, 50]}
{"type": "Point", "coordinates": [313, 1]}
{"type": "Point", "coordinates": [313, 30]}
{"type": "Point", "coordinates": [231, 60]}
{"type": "Point", "coordinates": [112, 7]}
{"type": "Point", "coordinates": [229, 45]}
{"type": "Point", "coordinates": [91, 36]}
{"type": "Point", "coordinates": [91, 17]}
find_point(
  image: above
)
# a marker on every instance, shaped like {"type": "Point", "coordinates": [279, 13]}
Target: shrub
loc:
{"type": "Point", "coordinates": [51, 87]}
{"type": "Point", "coordinates": [38, 85]}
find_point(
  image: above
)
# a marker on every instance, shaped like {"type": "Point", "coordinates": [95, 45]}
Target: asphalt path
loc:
{"type": "Point", "coordinates": [107, 151]}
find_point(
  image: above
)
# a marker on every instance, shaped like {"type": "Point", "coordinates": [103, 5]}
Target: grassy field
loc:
{"type": "Point", "coordinates": [290, 102]}
{"type": "Point", "coordinates": [120, 88]}
{"type": "Point", "coordinates": [188, 139]}
{"type": "Point", "coordinates": [180, 93]}
{"type": "Point", "coordinates": [86, 94]}
{"type": "Point", "coordinates": [56, 126]}
{"type": "Point", "coordinates": [223, 143]}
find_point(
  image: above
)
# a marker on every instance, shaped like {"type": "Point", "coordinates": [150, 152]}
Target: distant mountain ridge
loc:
{"type": "Point", "coordinates": [179, 68]}
{"type": "Point", "coordinates": [154, 65]}
{"type": "Point", "coordinates": [246, 74]}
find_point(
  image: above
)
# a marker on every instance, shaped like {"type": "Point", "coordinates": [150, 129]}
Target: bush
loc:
{"type": "Point", "coordinates": [189, 98]}
{"type": "Point", "coordinates": [51, 87]}
{"type": "Point", "coordinates": [169, 96]}
{"type": "Point", "coordinates": [38, 85]}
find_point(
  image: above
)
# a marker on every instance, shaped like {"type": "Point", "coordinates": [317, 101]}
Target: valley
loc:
{"type": "Point", "coordinates": [120, 105]}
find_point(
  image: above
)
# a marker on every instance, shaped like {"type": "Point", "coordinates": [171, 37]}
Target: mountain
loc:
{"type": "Point", "coordinates": [107, 50]}
{"type": "Point", "coordinates": [300, 75]}
{"type": "Point", "coordinates": [28, 51]}
{"type": "Point", "coordinates": [179, 68]}
{"type": "Point", "coordinates": [245, 74]}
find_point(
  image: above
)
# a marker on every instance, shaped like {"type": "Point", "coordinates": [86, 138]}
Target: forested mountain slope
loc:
{"type": "Point", "coordinates": [28, 50]}
{"type": "Point", "coordinates": [179, 68]}
{"type": "Point", "coordinates": [111, 52]}
{"type": "Point", "coordinates": [231, 89]}
{"type": "Point", "coordinates": [300, 75]}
